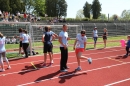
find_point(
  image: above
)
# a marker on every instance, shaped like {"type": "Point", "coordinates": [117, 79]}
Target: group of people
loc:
{"type": "Point", "coordinates": [104, 36]}
{"type": "Point", "coordinates": [47, 38]}
{"type": "Point", "coordinates": [79, 47]}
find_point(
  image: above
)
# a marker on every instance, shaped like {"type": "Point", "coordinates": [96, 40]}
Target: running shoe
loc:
{"type": "Point", "coordinates": [64, 70]}
{"type": "Point", "coordinates": [2, 70]}
{"type": "Point", "coordinates": [78, 69]}
{"type": "Point", "coordinates": [89, 60]}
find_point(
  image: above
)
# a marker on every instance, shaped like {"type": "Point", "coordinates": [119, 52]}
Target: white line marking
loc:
{"type": "Point", "coordinates": [74, 74]}
{"type": "Point", "coordinates": [69, 56]}
{"type": "Point", "coordinates": [54, 66]}
{"type": "Point", "coordinates": [118, 82]}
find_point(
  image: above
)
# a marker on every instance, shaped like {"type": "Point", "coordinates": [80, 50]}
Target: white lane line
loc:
{"type": "Point", "coordinates": [69, 56]}
{"type": "Point", "coordinates": [53, 66]}
{"type": "Point", "coordinates": [85, 50]}
{"type": "Point", "coordinates": [74, 73]}
{"type": "Point", "coordinates": [118, 82]}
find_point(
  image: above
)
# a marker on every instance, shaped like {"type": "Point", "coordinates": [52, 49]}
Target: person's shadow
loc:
{"type": "Point", "coordinates": [49, 76]}
{"type": "Point", "coordinates": [62, 76]}
{"type": "Point", "coordinates": [31, 68]}
{"type": "Point", "coordinates": [69, 75]}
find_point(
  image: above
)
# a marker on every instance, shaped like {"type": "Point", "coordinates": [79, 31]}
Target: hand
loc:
{"type": "Point", "coordinates": [65, 47]}
{"type": "Point", "coordinates": [74, 48]}
{"type": "Point", "coordinates": [68, 38]}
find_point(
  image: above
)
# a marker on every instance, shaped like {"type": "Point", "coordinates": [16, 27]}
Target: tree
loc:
{"type": "Point", "coordinates": [56, 8]}
{"type": "Point", "coordinates": [103, 17]}
{"type": "Point", "coordinates": [96, 9]}
{"type": "Point", "coordinates": [39, 7]}
{"type": "Point", "coordinates": [87, 9]}
{"type": "Point", "coordinates": [80, 14]}
{"type": "Point", "coordinates": [16, 6]}
{"type": "Point", "coordinates": [4, 5]}
{"type": "Point", "coordinates": [29, 5]}
{"type": "Point", "coordinates": [125, 14]}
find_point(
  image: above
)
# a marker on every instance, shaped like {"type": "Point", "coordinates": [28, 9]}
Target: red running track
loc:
{"type": "Point", "coordinates": [108, 68]}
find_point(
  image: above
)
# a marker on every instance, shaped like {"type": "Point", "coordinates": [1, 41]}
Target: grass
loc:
{"type": "Point", "coordinates": [70, 48]}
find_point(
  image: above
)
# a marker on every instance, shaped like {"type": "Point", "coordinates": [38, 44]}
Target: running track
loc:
{"type": "Point", "coordinates": [109, 68]}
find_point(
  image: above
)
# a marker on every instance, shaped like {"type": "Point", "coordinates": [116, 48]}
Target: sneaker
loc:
{"type": "Point", "coordinates": [50, 64]}
{"type": "Point", "coordinates": [8, 67]}
{"type": "Point", "coordinates": [2, 70]}
{"type": "Point", "coordinates": [67, 68]}
{"type": "Point", "coordinates": [64, 70]}
{"type": "Point", "coordinates": [78, 69]}
{"type": "Point", "coordinates": [89, 60]}
{"type": "Point", "coordinates": [44, 65]}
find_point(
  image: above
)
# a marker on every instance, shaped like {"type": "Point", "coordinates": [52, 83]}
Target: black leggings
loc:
{"type": "Point", "coordinates": [25, 46]}
{"type": "Point", "coordinates": [127, 50]}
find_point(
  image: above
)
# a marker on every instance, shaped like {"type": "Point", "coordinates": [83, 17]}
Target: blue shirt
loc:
{"type": "Point", "coordinates": [128, 43]}
{"type": "Point", "coordinates": [47, 37]}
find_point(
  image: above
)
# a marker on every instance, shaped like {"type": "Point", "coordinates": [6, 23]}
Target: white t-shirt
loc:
{"type": "Point", "coordinates": [95, 33]}
{"type": "Point", "coordinates": [80, 41]}
{"type": "Point", "coordinates": [26, 38]}
{"type": "Point", "coordinates": [2, 45]}
{"type": "Point", "coordinates": [64, 36]}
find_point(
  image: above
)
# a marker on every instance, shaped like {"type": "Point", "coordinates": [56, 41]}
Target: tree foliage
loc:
{"type": "Point", "coordinates": [56, 8]}
{"type": "Point", "coordinates": [87, 9]}
{"type": "Point", "coordinates": [12, 6]}
{"type": "Point", "coordinates": [80, 14]}
{"type": "Point", "coordinates": [39, 7]}
{"type": "Point", "coordinates": [125, 14]}
{"type": "Point", "coordinates": [96, 9]}
{"type": "Point", "coordinates": [103, 17]}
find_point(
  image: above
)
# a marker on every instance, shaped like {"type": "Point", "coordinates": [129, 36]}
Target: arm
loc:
{"type": "Point", "coordinates": [85, 45]}
{"type": "Point", "coordinates": [75, 43]}
{"type": "Point", "coordinates": [43, 38]}
{"type": "Point", "coordinates": [60, 40]}
{"type": "Point", "coordinates": [68, 38]}
{"type": "Point", "coordinates": [53, 37]}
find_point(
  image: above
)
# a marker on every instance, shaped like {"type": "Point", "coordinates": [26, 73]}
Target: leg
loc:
{"type": "Point", "coordinates": [66, 58]}
{"type": "Point", "coordinates": [104, 40]}
{"type": "Point", "coordinates": [25, 46]}
{"type": "Point", "coordinates": [5, 59]}
{"type": "Point", "coordinates": [45, 54]}
{"type": "Point", "coordinates": [127, 51]}
{"type": "Point", "coordinates": [20, 47]}
{"type": "Point", "coordinates": [45, 58]}
{"type": "Point", "coordinates": [51, 54]}
{"type": "Point", "coordinates": [1, 61]}
{"type": "Point", "coordinates": [95, 41]}
{"type": "Point", "coordinates": [62, 58]}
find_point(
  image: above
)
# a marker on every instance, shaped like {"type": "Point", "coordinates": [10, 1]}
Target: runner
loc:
{"type": "Point", "coordinates": [79, 47]}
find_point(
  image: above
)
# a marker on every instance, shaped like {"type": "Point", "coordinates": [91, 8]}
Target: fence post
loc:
{"type": "Point", "coordinates": [116, 28]}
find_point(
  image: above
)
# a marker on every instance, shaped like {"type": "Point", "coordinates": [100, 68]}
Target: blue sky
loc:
{"type": "Point", "coordinates": [108, 6]}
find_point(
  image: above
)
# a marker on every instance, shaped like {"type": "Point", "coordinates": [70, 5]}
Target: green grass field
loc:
{"type": "Point", "coordinates": [70, 48]}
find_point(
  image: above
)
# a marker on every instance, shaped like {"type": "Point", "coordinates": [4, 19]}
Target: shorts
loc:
{"type": "Point", "coordinates": [95, 39]}
{"type": "Point", "coordinates": [104, 38]}
{"type": "Point", "coordinates": [20, 44]}
{"type": "Point", "coordinates": [47, 48]}
{"type": "Point", "coordinates": [77, 50]}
